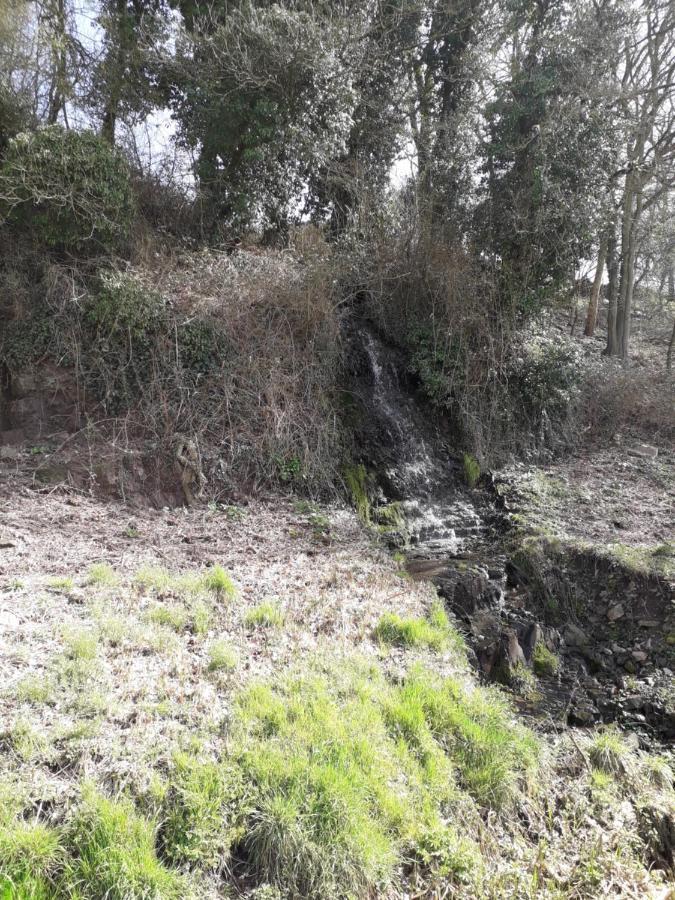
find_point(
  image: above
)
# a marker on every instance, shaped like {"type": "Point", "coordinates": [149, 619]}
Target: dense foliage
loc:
{"type": "Point", "coordinates": [69, 190]}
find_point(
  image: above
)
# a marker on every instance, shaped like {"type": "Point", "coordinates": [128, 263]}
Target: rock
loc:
{"type": "Point", "coordinates": [640, 656]}
{"type": "Point", "coordinates": [10, 453]}
{"type": "Point", "coordinates": [507, 658]}
{"type": "Point", "coordinates": [574, 636]}
{"type": "Point", "coordinates": [633, 702]}
{"type": "Point", "coordinates": [630, 666]}
{"type": "Point", "coordinates": [529, 640]}
{"type": "Point", "coordinates": [583, 714]}
{"type": "Point", "coordinates": [648, 623]}
{"type": "Point", "coordinates": [645, 451]}
{"type": "Point", "coordinates": [615, 612]}
{"type": "Point", "coordinates": [657, 829]}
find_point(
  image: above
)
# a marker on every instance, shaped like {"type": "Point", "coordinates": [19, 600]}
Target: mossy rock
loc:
{"type": "Point", "coordinates": [356, 480]}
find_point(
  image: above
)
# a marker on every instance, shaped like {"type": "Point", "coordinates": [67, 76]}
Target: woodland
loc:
{"type": "Point", "coordinates": [337, 449]}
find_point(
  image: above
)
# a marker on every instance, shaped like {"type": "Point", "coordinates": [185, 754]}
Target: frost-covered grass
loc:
{"type": "Point", "coordinates": [157, 739]}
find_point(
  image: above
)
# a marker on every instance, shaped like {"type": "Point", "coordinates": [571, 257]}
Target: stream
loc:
{"type": "Point", "coordinates": [459, 539]}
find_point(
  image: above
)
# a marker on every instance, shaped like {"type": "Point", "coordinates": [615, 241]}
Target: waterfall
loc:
{"type": "Point", "coordinates": [413, 459]}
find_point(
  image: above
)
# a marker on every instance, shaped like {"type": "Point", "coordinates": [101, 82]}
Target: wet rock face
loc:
{"type": "Point", "coordinates": [404, 444]}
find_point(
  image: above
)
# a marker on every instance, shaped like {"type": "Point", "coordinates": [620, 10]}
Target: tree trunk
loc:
{"type": "Point", "coordinates": [59, 38]}
{"type": "Point", "coordinates": [669, 354]}
{"type": "Point", "coordinates": [612, 296]}
{"type": "Point", "coordinates": [117, 54]}
{"type": "Point", "coordinates": [671, 297]}
{"type": "Point", "coordinates": [592, 312]}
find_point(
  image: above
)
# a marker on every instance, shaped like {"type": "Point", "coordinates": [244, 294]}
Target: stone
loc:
{"type": "Point", "coordinates": [574, 636]}
{"type": "Point", "coordinates": [645, 451]}
{"type": "Point", "coordinates": [648, 623]}
{"type": "Point", "coordinates": [507, 658]}
{"type": "Point", "coordinates": [640, 656]}
{"type": "Point", "coordinates": [529, 640]}
{"type": "Point", "coordinates": [10, 453]}
{"type": "Point", "coordinates": [615, 612]}
{"type": "Point", "coordinates": [583, 714]}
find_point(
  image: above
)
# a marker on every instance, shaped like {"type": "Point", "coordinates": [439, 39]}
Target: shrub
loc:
{"type": "Point", "coordinates": [123, 307]}
{"type": "Point", "coordinates": [544, 377]}
{"type": "Point", "coordinates": [69, 189]}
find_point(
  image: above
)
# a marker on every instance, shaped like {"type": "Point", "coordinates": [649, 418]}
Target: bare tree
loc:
{"type": "Point", "coordinates": [646, 106]}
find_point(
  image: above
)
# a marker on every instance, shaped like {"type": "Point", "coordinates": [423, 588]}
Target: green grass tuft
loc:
{"type": "Point", "coordinates": [102, 575]}
{"type": "Point", "coordinates": [346, 777]}
{"type": "Point", "coordinates": [30, 853]}
{"type": "Point", "coordinates": [608, 753]}
{"type": "Point", "coordinates": [194, 829]}
{"type": "Point", "coordinates": [61, 583]}
{"type": "Point", "coordinates": [434, 632]}
{"type": "Point", "coordinates": [80, 644]}
{"type": "Point", "coordinates": [218, 582]}
{"type": "Point", "coordinates": [214, 581]}
{"type": "Point", "coordinates": [35, 689]}
{"type": "Point", "coordinates": [222, 657]}
{"type": "Point", "coordinates": [266, 615]}
{"type": "Point", "coordinates": [113, 854]}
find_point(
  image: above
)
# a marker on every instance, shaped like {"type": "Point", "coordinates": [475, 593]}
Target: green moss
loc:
{"type": "Point", "coordinates": [390, 517]}
{"type": "Point", "coordinates": [356, 480]}
{"type": "Point", "coordinates": [543, 661]}
{"type": "Point", "coordinates": [645, 560]}
{"type": "Point", "coordinates": [472, 471]}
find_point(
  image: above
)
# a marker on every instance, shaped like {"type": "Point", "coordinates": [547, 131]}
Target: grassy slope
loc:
{"type": "Point", "coordinates": [302, 717]}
